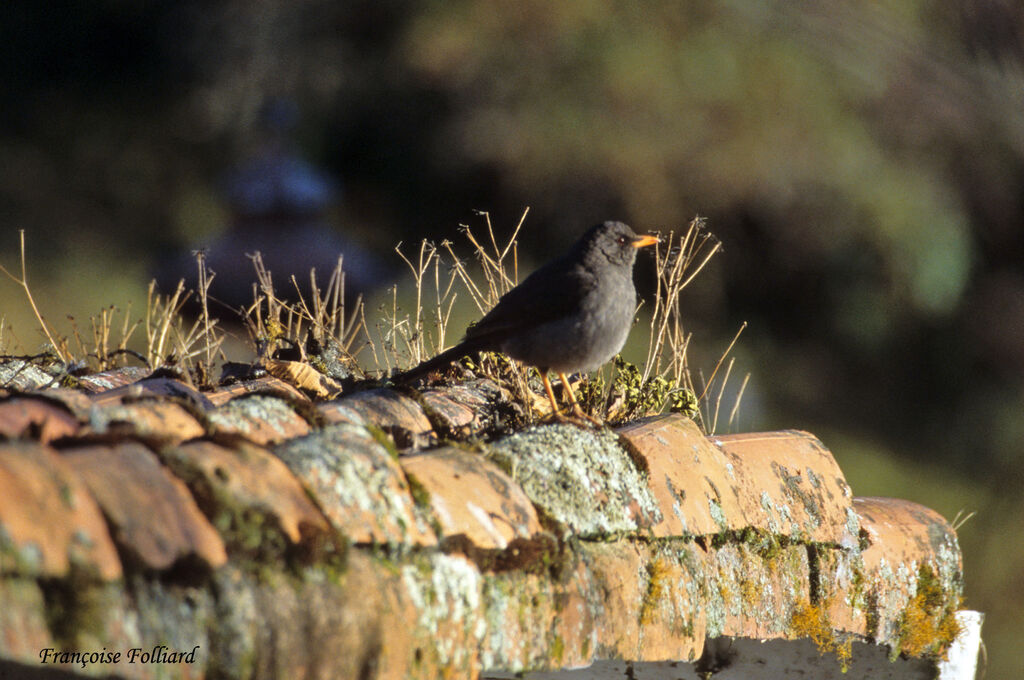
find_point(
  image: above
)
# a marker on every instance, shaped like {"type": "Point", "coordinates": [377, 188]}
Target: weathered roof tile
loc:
{"type": "Point", "coordinates": [158, 421]}
{"type": "Point", "coordinates": [755, 588]}
{"type": "Point", "coordinates": [470, 495]}
{"type": "Point", "coordinates": [247, 490]}
{"type": "Point", "coordinates": [23, 623]}
{"type": "Point", "coordinates": [77, 403]}
{"type": "Point", "coordinates": [115, 377]}
{"type": "Point", "coordinates": [395, 413]}
{"type": "Point", "coordinates": [456, 419]}
{"type": "Point", "coordinates": [261, 418]}
{"type": "Point", "coordinates": [910, 576]}
{"type": "Point", "coordinates": [154, 517]}
{"type": "Point", "coordinates": [787, 483]}
{"type": "Point", "coordinates": [462, 410]}
{"type": "Point", "coordinates": [19, 375]}
{"type": "Point", "coordinates": [35, 418]}
{"type": "Point", "coordinates": [650, 602]}
{"type": "Point", "coordinates": [669, 544]}
{"type": "Point", "coordinates": [579, 478]}
{"type": "Point", "coordinates": [155, 387]}
{"type": "Point", "coordinates": [265, 385]}
{"type": "Point", "coordinates": [690, 478]}
{"type": "Point", "coordinates": [337, 411]}
{"type": "Point", "coordinates": [359, 485]}
{"type": "Point", "coordinates": [48, 519]}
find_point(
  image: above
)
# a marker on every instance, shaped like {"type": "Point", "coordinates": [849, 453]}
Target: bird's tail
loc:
{"type": "Point", "coordinates": [441, 360]}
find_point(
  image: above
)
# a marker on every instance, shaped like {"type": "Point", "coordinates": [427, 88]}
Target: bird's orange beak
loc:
{"type": "Point", "coordinates": [644, 241]}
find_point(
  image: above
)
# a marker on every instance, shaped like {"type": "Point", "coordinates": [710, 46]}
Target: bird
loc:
{"type": "Point", "coordinates": [571, 315]}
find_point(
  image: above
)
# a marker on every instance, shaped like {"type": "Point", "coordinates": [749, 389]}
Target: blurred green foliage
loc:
{"type": "Point", "coordinates": [863, 164]}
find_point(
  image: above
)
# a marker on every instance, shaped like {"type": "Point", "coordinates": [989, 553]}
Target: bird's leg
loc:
{"type": "Point", "coordinates": [578, 417]}
{"type": "Point", "coordinates": [551, 395]}
{"type": "Point", "coordinates": [555, 413]}
{"type": "Point", "coordinates": [576, 410]}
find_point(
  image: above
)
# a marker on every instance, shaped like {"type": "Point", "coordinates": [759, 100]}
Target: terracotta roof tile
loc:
{"type": "Point", "coordinates": [261, 418]}
{"type": "Point", "coordinates": [580, 479]}
{"type": "Point", "coordinates": [756, 588]}
{"type": "Point", "coordinates": [154, 387]}
{"type": "Point", "coordinates": [158, 421]}
{"type": "Point", "coordinates": [900, 531]}
{"type": "Point", "coordinates": [337, 411]}
{"type": "Point", "coordinates": [788, 483]}
{"type": "Point", "coordinates": [48, 519]}
{"type": "Point", "coordinates": [265, 385]}
{"type": "Point", "coordinates": [471, 496]}
{"type": "Point", "coordinates": [550, 548]}
{"type": "Point", "coordinates": [154, 518]}
{"type": "Point", "coordinates": [77, 403]}
{"type": "Point", "coordinates": [457, 419]}
{"type": "Point", "coordinates": [395, 413]}
{"type": "Point", "coordinates": [39, 419]}
{"type": "Point", "coordinates": [114, 378]}
{"type": "Point", "coordinates": [648, 607]}
{"type": "Point", "coordinates": [690, 478]}
{"type": "Point", "coordinates": [23, 623]}
{"type": "Point", "coordinates": [248, 491]}
{"type": "Point", "coordinates": [463, 410]}
{"type": "Point", "coordinates": [18, 375]}
{"type": "Point", "coordinates": [910, 550]}
{"type": "Point", "coordinates": [359, 485]}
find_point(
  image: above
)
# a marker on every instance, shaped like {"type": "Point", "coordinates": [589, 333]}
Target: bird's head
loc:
{"type": "Point", "coordinates": [616, 241]}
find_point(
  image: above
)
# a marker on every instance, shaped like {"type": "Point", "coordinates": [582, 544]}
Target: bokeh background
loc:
{"type": "Point", "coordinates": [862, 164]}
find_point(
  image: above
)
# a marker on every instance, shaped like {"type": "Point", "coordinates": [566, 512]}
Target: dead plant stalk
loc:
{"type": "Point", "coordinates": [23, 282]}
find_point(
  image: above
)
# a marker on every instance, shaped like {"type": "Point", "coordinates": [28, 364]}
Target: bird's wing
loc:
{"type": "Point", "coordinates": [553, 291]}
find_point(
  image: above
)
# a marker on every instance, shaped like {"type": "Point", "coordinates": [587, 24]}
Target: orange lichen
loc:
{"type": "Point", "coordinates": [928, 625]}
{"type": "Point", "coordinates": [750, 593]}
{"type": "Point", "coordinates": [844, 652]}
{"type": "Point", "coordinates": [657, 571]}
{"type": "Point", "coordinates": [813, 622]}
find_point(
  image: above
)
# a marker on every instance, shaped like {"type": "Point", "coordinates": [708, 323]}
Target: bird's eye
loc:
{"type": "Point", "coordinates": [621, 240]}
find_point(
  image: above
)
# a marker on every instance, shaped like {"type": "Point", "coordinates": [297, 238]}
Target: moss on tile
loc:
{"type": "Point", "coordinates": [420, 493]}
{"type": "Point", "coordinates": [75, 608]}
{"type": "Point", "coordinates": [384, 439]}
{"type": "Point", "coordinates": [556, 652]}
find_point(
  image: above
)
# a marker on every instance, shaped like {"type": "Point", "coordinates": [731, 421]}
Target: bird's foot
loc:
{"type": "Point", "coordinates": [578, 412]}
{"type": "Point", "coordinates": [577, 418]}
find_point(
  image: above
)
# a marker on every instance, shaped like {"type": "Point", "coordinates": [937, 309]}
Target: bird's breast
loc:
{"type": "Point", "coordinates": [585, 339]}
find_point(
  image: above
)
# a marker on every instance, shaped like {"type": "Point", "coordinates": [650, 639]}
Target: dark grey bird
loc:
{"type": "Point", "coordinates": [573, 314]}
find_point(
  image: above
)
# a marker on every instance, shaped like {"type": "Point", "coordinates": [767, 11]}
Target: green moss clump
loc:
{"type": "Point", "coordinates": [384, 439]}
{"type": "Point", "coordinates": [420, 494]}
{"type": "Point", "coordinates": [684, 401]}
{"type": "Point", "coordinates": [75, 607]}
{"type": "Point", "coordinates": [629, 396]}
{"type": "Point", "coordinates": [557, 649]}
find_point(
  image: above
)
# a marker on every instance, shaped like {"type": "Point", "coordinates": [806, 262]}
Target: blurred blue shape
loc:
{"type": "Point", "coordinates": [278, 203]}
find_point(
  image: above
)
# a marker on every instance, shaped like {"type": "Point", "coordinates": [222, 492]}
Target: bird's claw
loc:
{"type": "Point", "coordinates": [577, 418]}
